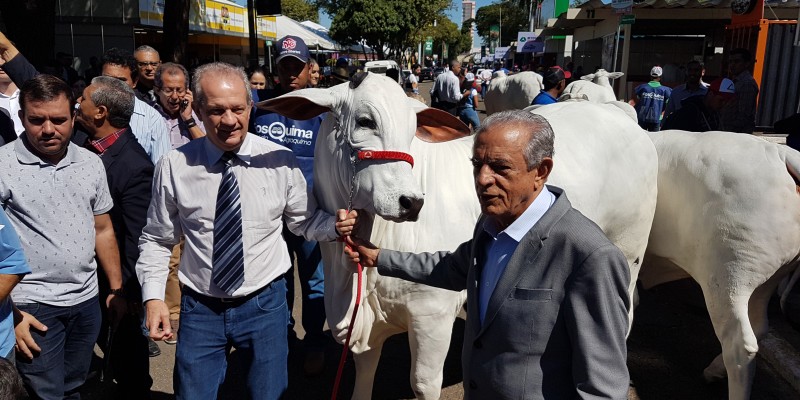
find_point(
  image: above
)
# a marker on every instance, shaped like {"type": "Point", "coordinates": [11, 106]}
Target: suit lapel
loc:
{"type": "Point", "coordinates": [113, 152]}
{"type": "Point", "coordinates": [524, 258]}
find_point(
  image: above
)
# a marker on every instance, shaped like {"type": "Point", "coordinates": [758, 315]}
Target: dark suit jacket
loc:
{"type": "Point", "coordinates": [130, 177]}
{"type": "Point", "coordinates": [556, 323]}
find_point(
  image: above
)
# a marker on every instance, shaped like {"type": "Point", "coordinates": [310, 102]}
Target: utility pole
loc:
{"type": "Point", "coordinates": [251, 22]}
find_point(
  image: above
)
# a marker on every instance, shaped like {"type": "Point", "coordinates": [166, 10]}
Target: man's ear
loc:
{"type": "Point", "coordinates": [102, 113]}
{"type": "Point", "coordinates": [543, 170]}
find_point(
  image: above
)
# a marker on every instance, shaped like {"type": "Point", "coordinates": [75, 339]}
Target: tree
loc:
{"type": "Point", "coordinates": [176, 30]}
{"type": "Point", "coordinates": [300, 10]}
{"type": "Point", "coordinates": [514, 19]}
{"type": "Point", "coordinates": [392, 25]}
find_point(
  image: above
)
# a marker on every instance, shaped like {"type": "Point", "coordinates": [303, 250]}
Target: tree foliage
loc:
{"type": "Point", "coordinates": [393, 24]}
{"type": "Point", "coordinates": [515, 19]}
{"type": "Point", "coordinates": [300, 10]}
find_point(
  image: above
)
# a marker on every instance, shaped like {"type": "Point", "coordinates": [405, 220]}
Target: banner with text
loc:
{"type": "Point", "coordinates": [501, 53]}
{"type": "Point", "coordinates": [526, 43]}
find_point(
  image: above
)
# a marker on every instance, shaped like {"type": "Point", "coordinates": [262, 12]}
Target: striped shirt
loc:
{"type": "Point", "coordinates": [272, 190]}
{"type": "Point", "coordinates": [148, 126]}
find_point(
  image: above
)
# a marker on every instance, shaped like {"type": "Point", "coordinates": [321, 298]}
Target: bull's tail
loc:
{"type": "Point", "coordinates": [792, 159]}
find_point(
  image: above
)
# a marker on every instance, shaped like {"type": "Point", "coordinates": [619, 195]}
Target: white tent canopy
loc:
{"type": "Point", "coordinates": [313, 39]}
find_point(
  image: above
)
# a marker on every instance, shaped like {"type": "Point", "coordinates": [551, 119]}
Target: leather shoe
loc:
{"type": "Point", "coordinates": [314, 363]}
{"type": "Point", "coordinates": [152, 348]}
{"type": "Point", "coordinates": [174, 324]}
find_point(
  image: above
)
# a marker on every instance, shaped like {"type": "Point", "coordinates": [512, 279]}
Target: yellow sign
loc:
{"type": "Point", "coordinates": [268, 27]}
{"type": "Point", "coordinates": [225, 16]}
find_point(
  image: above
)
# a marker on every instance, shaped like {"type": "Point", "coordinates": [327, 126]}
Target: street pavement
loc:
{"type": "Point", "coordinates": [671, 342]}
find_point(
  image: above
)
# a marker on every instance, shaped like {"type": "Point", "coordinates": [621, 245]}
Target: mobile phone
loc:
{"type": "Point", "coordinates": [184, 104]}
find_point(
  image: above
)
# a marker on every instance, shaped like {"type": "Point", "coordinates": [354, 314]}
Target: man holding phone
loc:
{"type": "Point", "coordinates": [171, 86]}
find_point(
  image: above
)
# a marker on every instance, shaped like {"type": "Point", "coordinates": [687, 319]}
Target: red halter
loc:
{"type": "Point", "coordinates": [385, 155]}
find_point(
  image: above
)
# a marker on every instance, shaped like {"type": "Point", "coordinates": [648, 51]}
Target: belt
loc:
{"type": "Point", "coordinates": [228, 302]}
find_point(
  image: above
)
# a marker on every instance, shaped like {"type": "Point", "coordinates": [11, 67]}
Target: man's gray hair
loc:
{"type": "Point", "coordinates": [117, 97]}
{"type": "Point", "coordinates": [146, 49]}
{"type": "Point", "coordinates": [170, 69]}
{"type": "Point", "coordinates": [541, 137]}
{"type": "Point", "coordinates": [218, 69]}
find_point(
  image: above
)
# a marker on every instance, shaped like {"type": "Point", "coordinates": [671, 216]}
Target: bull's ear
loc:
{"type": "Point", "coordinates": [615, 75]}
{"type": "Point", "coordinates": [301, 104]}
{"type": "Point", "coordinates": [588, 77]}
{"type": "Point", "coordinates": [434, 125]}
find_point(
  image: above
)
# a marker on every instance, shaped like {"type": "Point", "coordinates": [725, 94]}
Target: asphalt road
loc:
{"type": "Point", "coordinates": [671, 343]}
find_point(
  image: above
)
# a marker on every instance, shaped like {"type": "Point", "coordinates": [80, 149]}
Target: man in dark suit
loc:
{"type": "Point", "coordinates": [547, 302]}
{"type": "Point", "coordinates": [104, 114]}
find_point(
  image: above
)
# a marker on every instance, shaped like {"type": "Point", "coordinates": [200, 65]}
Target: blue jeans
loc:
{"type": "Point", "coordinates": [254, 326]}
{"type": "Point", "coordinates": [312, 285]}
{"type": "Point", "coordinates": [468, 116]}
{"type": "Point", "coordinates": [60, 370]}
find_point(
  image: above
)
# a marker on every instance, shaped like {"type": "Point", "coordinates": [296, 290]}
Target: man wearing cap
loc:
{"type": "Point", "coordinates": [700, 113]}
{"type": "Point", "coordinates": [299, 136]}
{"type": "Point", "coordinates": [651, 98]}
{"type": "Point", "coordinates": [554, 83]}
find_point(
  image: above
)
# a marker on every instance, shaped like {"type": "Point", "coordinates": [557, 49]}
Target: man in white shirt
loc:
{"type": "Point", "coordinates": [446, 91]}
{"type": "Point", "coordinates": [232, 267]}
{"type": "Point", "coordinates": [9, 100]}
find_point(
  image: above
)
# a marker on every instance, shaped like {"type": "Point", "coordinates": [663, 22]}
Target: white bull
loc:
{"type": "Point", "coordinates": [594, 87]}
{"type": "Point", "coordinates": [728, 213]}
{"type": "Point", "coordinates": [603, 161]}
{"type": "Point", "coordinates": [513, 92]}
{"type": "Point", "coordinates": [375, 114]}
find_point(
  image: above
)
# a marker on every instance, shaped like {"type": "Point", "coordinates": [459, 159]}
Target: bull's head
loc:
{"type": "Point", "coordinates": [369, 113]}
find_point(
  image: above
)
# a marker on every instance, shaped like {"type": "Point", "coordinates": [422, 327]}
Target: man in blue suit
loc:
{"type": "Point", "coordinates": [547, 301]}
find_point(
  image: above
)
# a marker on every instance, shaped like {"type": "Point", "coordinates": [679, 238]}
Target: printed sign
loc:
{"type": "Point", "coordinates": [526, 43]}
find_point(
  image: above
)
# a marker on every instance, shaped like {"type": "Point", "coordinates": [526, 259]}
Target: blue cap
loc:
{"type": "Point", "coordinates": [292, 46]}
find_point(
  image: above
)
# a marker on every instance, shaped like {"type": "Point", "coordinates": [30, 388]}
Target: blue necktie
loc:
{"type": "Point", "coordinates": [228, 256]}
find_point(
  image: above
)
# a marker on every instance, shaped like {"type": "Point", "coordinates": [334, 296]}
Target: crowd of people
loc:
{"type": "Point", "coordinates": [142, 202]}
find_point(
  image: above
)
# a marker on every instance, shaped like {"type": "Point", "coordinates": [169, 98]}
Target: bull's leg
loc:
{"type": "Point", "coordinates": [366, 365]}
{"type": "Point", "coordinates": [429, 339]}
{"type": "Point", "coordinates": [729, 315]}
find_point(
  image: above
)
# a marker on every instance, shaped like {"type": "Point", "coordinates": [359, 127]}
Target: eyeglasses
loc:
{"type": "Point", "coordinates": [170, 91]}
{"type": "Point", "coordinates": [148, 64]}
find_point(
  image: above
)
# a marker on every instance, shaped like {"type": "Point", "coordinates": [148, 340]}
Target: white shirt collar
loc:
{"type": "Point", "coordinates": [214, 153]}
{"type": "Point", "coordinates": [520, 227]}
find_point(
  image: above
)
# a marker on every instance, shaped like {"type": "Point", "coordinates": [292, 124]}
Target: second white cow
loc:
{"type": "Point", "coordinates": [728, 213]}
{"type": "Point", "coordinates": [513, 92]}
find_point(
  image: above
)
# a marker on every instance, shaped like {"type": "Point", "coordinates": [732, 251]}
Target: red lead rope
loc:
{"type": "Point", "coordinates": [346, 347]}
{"type": "Point", "coordinates": [363, 155]}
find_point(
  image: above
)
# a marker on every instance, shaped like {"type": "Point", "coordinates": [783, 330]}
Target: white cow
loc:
{"type": "Point", "coordinates": [728, 213]}
{"type": "Point", "coordinates": [375, 114]}
{"type": "Point", "coordinates": [513, 92]}
{"type": "Point", "coordinates": [594, 87]}
{"type": "Point", "coordinates": [603, 161]}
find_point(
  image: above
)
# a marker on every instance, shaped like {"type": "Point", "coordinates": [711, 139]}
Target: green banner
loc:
{"type": "Point", "coordinates": [429, 45]}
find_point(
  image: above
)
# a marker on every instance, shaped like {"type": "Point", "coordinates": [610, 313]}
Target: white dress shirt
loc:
{"type": "Point", "coordinates": [272, 190]}
{"type": "Point", "coordinates": [150, 130]}
{"type": "Point", "coordinates": [11, 105]}
{"type": "Point", "coordinates": [448, 87]}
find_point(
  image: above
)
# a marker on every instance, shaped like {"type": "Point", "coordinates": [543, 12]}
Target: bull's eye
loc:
{"type": "Point", "coordinates": [367, 123]}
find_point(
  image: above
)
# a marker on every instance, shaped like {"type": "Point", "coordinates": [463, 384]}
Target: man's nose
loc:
{"type": "Point", "coordinates": [484, 176]}
{"type": "Point", "coordinates": [228, 118]}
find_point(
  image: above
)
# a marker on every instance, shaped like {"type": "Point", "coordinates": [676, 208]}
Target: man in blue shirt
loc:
{"type": "Point", "coordinates": [299, 136]}
{"type": "Point", "coordinates": [651, 99]}
{"type": "Point", "coordinates": [554, 81]}
{"type": "Point", "coordinates": [13, 265]}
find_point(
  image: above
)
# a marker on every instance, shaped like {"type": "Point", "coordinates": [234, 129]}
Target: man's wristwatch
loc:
{"type": "Point", "coordinates": [190, 123]}
{"type": "Point", "coordinates": [117, 292]}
